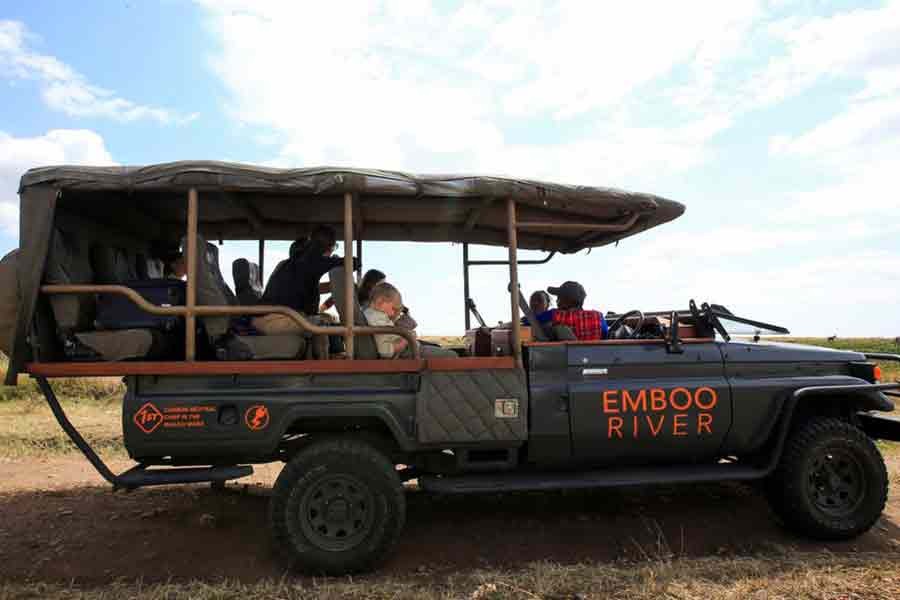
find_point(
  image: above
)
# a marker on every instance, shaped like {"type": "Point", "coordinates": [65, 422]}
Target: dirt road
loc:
{"type": "Point", "coordinates": [58, 523]}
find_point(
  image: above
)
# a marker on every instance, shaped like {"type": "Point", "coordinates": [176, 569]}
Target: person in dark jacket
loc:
{"type": "Point", "coordinates": [296, 284]}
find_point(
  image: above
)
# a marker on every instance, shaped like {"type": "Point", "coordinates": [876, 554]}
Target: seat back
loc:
{"type": "Point", "coordinates": [149, 268]}
{"type": "Point", "coordinates": [68, 263]}
{"type": "Point", "coordinates": [111, 265]}
{"type": "Point", "coordinates": [363, 345]}
{"type": "Point", "coordinates": [211, 288]}
{"type": "Point", "coordinates": [247, 281]}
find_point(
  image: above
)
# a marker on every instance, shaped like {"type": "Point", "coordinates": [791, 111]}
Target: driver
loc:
{"type": "Point", "coordinates": [587, 325]}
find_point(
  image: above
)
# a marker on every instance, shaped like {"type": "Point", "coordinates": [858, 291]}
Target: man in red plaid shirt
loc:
{"type": "Point", "coordinates": [585, 324]}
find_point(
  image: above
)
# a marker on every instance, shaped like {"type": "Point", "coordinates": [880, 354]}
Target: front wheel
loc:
{"type": "Point", "coordinates": [337, 507]}
{"type": "Point", "coordinates": [831, 482]}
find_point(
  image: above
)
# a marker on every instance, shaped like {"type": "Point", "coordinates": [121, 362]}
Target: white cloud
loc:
{"type": "Point", "coordinates": [597, 94]}
{"type": "Point", "coordinates": [410, 87]}
{"type": "Point", "coordinates": [56, 147]}
{"type": "Point", "coordinates": [861, 44]}
{"type": "Point", "coordinates": [66, 90]}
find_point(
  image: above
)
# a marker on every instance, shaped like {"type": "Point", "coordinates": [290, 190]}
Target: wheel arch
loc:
{"type": "Point", "coordinates": [374, 424]}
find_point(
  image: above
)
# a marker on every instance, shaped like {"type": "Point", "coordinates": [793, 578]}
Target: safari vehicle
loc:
{"type": "Point", "coordinates": [668, 397]}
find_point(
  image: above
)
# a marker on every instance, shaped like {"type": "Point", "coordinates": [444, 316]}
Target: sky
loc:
{"type": "Point", "coordinates": [776, 122]}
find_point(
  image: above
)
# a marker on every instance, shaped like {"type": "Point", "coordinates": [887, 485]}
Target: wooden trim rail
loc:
{"type": "Point", "coordinates": [272, 367]}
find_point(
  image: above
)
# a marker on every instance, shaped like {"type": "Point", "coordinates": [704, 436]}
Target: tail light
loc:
{"type": "Point", "coordinates": [876, 374]}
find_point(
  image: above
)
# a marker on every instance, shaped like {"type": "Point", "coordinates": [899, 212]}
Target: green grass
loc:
{"type": "Point", "coordinates": [779, 575]}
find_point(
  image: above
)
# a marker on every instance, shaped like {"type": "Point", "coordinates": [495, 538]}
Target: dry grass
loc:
{"type": "Point", "coordinates": [27, 427]}
{"type": "Point", "coordinates": [793, 576]}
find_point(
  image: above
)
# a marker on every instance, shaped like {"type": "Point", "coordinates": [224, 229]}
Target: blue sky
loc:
{"type": "Point", "coordinates": [777, 123]}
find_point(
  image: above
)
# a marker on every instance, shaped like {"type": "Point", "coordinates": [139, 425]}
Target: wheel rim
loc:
{"type": "Point", "coordinates": [337, 512]}
{"type": "Point", "coordinates": [836, 482]}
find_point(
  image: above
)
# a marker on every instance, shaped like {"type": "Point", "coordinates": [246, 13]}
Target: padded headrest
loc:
{"type": "Point", "coordinates": [149, 268]}
{"type": "Point", "coordinates": [246, 276]}
{"type": "Point", "coordinates": [364, 345]}
{"type": "Point", "coordinates": [111, 265]}
{"type": "Point", "coordinates": [211, 288]}
{"type": "Point", "coordinates": [68, 263]}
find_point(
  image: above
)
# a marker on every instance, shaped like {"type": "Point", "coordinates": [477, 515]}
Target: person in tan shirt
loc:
{"type": "Point", "coordinates": [385, 307]}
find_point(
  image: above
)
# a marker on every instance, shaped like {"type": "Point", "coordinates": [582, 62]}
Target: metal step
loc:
{"type": "Point", "coordinates": [880, 426]}
{"type": "Point", "coordinates": [521, 482]}
{"type": "Point", "coordinates": [141, 476]}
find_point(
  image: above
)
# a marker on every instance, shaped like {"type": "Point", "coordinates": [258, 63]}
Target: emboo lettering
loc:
{"type": "Point", "coordinates": [650, 412]}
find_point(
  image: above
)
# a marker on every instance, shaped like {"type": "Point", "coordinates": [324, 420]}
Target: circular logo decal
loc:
{"type": "Point", "coordinates": [257, 417]}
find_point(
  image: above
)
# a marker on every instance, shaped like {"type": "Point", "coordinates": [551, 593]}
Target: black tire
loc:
{"type": "Point", "coordinates": [831, 483]}
{"type": "Point", "coordinates": [337, 507]}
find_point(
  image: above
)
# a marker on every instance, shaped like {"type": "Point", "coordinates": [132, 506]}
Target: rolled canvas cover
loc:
{"type": "Point", "coordinates": [9, 299]}
{"type": "Point", "coordinates": [37, 206]}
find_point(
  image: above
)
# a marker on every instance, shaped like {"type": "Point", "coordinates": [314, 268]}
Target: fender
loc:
{"type": "Point", "coordinates": [827, 390]}
{"type": "Point", "coordinates": [362, 409]}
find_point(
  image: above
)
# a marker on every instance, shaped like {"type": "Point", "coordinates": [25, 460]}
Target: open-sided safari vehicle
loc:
{"type": "Point", "coordinates": [661, 400]}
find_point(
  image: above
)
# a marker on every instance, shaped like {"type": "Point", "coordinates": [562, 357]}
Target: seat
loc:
{"type": "Point", "coordinates": [111, 265]}
{"type": "Point", "coordinates": [363, 345]}
{"type": "Point", "coordinates": [212, 291]}
{"type": "Point", "coordinates": [149, 268]}
{"type": "Point", "coordinates": [247, 282]}
{"type": "Point", "coordinates": [68, 263]}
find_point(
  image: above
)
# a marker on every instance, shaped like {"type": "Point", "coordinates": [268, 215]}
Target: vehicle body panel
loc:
{"type": "Point", "coordinates": [764, 375]}
{"type": "Point", "coordinates": [217, 423]}
{"type": "Point", "coordinates": [641, 404]}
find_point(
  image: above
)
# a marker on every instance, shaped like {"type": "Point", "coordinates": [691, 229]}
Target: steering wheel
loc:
{"type": "Point", "coordinates": [620, 331]}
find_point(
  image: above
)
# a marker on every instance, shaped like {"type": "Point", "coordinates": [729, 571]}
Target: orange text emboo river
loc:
{"type": "Point", "coordinates": [652, 412]}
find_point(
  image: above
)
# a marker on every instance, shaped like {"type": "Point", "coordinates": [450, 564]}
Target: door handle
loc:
{"type": "Point", "coordinates": [594, 372]}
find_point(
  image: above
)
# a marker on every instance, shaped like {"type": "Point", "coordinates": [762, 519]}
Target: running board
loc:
{"type": "Point", "coordinates": [527, 482]}
{"type": "Point", "coordinates": [880, 426]}
{"type": "Point", "coordinates": [140, 476]}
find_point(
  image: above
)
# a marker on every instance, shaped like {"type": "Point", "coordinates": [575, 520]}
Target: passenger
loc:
{"type": "Point", "coordinates": [385, 306]}
{"type": "Point", "coordinates": [385, 309]}
{"type": "Point", "coordinates": [540, 306]}
{"type": "Point", "coordinates": [175, 266]}
{"type": "Point", "coordinates": [296, 284]}
{"type": "Point", "coordinates": [372, 278]}
{"type": "Point", "coordinates": [295, 250]}
{"type": "Point", "coordinates": [585, 324]}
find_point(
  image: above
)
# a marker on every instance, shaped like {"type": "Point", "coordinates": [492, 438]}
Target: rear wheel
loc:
{"type": "Point", "coordinates": [831, 482]}
{"type": "Point", "coordinates": [337, 507]}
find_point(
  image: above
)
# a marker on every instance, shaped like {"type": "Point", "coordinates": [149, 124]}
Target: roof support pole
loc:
{"type": "Point", "coordinates": [262, 261]}
{"type": "Point", "coordinates": [190, 320]}
{"type": "Point", "coordinates": [466, 284]}
{"type": "Point", "coordinates": [513, 279]}
{"type": "Point", "coordinates": [359, 257]}
{"type": "Point", "coordinates": [349, 288]}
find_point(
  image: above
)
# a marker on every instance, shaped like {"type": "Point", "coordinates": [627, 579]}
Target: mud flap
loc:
{"type": "Point", "coordinates": [880, 426]}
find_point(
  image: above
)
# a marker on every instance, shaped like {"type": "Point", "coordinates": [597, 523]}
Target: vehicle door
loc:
{"type": "Point", "coordinates": [638, 403]}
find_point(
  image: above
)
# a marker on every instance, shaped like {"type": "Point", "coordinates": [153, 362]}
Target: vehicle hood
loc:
{"type": "Point", "coordinates": [782, 352]}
